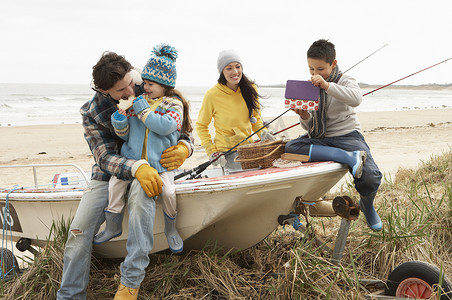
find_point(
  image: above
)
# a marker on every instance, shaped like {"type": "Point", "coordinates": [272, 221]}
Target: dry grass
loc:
{"type": "Point", "coordinates": [42, 278]}
{"type": "Point", "coordinates": [416, 210]}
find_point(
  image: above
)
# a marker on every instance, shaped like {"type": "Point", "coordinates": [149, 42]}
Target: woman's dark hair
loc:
{"type": "Point", "coordinates": [110, 68]}
{"type": "Point", "coordinates": [249, 93]}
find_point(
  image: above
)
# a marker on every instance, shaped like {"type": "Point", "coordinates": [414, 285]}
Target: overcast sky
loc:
{"type": "Point", "coordinates": [57, 41]}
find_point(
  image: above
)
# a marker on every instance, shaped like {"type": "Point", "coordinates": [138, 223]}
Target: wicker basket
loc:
{"type": "Point", "coordinates": [260, 155]}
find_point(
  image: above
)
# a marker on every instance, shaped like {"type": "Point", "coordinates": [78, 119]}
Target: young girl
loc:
{"type": "Point", "coordinates": [233, 103]}
{"type": "Point", "coordinates": [153, 124]}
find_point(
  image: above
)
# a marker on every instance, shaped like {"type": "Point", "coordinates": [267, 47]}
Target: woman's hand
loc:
{"type": "Point", "coordinates": [218, 158]}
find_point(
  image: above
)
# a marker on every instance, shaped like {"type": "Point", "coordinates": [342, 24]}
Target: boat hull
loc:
{"type": "Point", "coordinates": [234, 211]}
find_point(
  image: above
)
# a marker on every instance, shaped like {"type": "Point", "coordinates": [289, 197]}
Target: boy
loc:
{"type": "Point", "coordinates": [334, 131]}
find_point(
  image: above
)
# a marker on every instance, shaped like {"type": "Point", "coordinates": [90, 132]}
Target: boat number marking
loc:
{"type": "Point", "coordinates": [9, 218]}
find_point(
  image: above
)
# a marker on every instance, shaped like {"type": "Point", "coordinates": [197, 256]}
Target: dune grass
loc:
{"type": "Point", "coordinates": [415, 207]}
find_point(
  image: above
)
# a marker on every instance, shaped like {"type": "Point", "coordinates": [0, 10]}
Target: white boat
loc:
{"type": "Point", "coordinates": [235, 211]}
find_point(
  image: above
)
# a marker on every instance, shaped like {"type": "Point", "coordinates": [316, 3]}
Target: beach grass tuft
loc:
{"type": "Point", "coordinates": [42, 276]}
{"type": "Point", "coordinates": [415, 207]}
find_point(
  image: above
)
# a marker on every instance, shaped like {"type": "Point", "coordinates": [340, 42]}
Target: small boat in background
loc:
{"type": "Point", "coordinates": [234, 211]}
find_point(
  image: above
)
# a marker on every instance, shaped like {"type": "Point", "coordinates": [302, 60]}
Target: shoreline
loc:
{"type": "Point", "coordinates": [396, 139]}
{"type": "Point", "coordinates": [429, 113]}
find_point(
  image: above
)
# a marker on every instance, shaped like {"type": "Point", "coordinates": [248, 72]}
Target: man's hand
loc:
{"type": "Point", "coordinates": [149, 179]}
{"type": "Point", "coordinates": [174, 156]}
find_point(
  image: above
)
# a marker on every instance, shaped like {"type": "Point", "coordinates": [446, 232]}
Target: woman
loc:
{"type": "Point", "coordinates": [233, 103]}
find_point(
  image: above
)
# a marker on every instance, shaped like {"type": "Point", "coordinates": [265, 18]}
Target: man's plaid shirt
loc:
{"type": "Point", "coordinates": [102, 140]}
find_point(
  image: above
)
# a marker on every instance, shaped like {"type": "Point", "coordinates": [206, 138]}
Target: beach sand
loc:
{"type": "Point", "coordinates": [396, 139]}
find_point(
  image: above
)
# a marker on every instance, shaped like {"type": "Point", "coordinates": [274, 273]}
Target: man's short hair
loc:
{"type": "Point", "coordinates": [110, 68]}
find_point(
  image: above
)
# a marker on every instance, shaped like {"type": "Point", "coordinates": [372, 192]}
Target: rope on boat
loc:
{"type": "Point", "coordinates": [296, 221]}
{"type": "Point", "coordinates": [7, 226]}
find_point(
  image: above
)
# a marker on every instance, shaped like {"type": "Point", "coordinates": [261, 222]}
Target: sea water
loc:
{"type": "Point", "coordinates": [42, 104]}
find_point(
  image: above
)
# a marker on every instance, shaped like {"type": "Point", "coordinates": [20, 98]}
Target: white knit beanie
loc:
{"type": "Point", "coordinates": [225, 58]}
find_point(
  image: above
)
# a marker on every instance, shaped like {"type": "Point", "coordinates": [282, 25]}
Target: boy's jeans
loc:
{"type": "Point", "coordinates": [88, 218]}
{"type": "Point", "coordinates": [370, 180]}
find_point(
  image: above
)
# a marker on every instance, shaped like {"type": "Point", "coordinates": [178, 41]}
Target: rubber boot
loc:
{"type": "Point", "coordinates": [355, 160]}
{"type": "Point", "coordinates": [367, 207]}
{"type": "Point", "coordinates": [113, 228]}
{"type": "Point", "coordinates": [175, 242]}
{"type": "Point", "coordinates": [125, 293]}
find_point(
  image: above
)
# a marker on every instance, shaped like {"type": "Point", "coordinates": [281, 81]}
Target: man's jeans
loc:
{"type": "Point", "coordinates": [88, 218]}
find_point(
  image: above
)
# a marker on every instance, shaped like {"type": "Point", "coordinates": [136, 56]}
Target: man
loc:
{"type": "Point", "coordinates": [113, 80]}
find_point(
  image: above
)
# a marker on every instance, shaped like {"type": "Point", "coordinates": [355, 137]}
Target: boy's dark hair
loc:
{"type": "Point", "coordinates": [110, 68]}
{"type": "Point", "coordinates": [322, 49]}
{"type": "Point", "coordinates": [249, 94]}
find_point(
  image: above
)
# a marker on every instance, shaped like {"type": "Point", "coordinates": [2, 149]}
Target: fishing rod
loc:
{"type": "Point", "coordinates": [194, 173]}
{"type": "Point", "coordinates": [365, 58]}
{"type": "Point", "coordinates": [407, 76]}
{"type": "Point", "coordinates": [286, 128]}
{"type": "Point", "coordinates": [386, 85]}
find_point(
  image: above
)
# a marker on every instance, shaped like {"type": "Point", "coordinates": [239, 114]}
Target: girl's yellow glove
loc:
{"type": "Point", "coordinates": [174, 157]}
{"type": "Point", "coordinates": [149, 179]}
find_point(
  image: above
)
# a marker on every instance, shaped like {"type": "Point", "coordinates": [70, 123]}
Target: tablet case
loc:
{"type": "Point", "coordinates": [301, 94]}
{"type": "Point", "coordinates": [303, 104]}
{"type": "Point", "coordinates": [302, 90]}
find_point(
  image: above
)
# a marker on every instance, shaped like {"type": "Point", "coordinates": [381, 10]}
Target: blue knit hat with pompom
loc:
{"type": "Point", "coordinates": [161, 67]}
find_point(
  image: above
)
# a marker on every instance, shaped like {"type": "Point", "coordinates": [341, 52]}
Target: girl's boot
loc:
{"type": "Point", "coordinates": [355, 160]}
{"type": "Point", "coordinates": [113, 228]}
{"type": "Point", "coordinates": [175, 242]}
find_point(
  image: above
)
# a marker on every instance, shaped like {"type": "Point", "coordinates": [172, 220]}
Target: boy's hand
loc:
{"type": "Point", "coordinates": [318, 80]}
{"type": "Point", "coordinates": [304, 114]}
